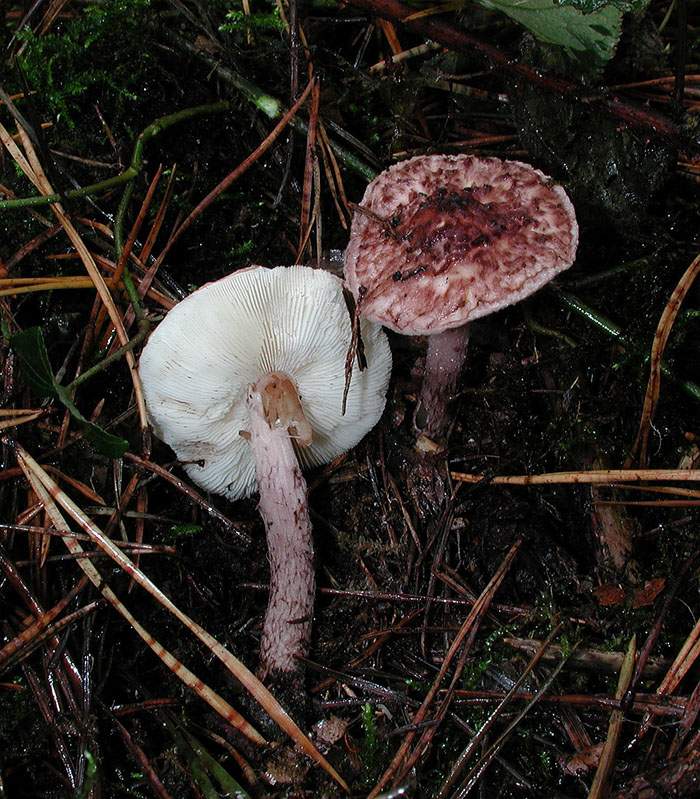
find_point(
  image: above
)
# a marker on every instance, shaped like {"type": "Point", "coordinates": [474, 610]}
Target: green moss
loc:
{"type": "Point", "coordinates": [257, 20]}
{"type": "Point", "coordinates": [373, 750]}
{"type": "Point", "coordinates": [100, 53]}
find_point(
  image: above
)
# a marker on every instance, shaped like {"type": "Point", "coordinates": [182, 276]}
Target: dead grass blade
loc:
{"type": "Point", "coordinates": [601, 782]}
{"type": "Point", "coordinates": [333, 176]}
{"type": "Point", "coordinates": [40, 636]}
{"type": "Point", "coordinates": [21, 282]}
{"type": "Point", "coordinates": [651, 503]}
{"type": "Point", "coordinates": [39, 624]}
{"type": "Point", "coordinates": [136, 227]}
{"type": "Point", "coordinates": [50, 284]}
{"type": "Point", "coordinates": [380, 639]}
{"type": "Point", "coordinates": [215, 701]}
{"type": "Point", "coordinates": [142, 761]}
{"type": "Point", "coordinates": [249, 681]}
{"type": "Point", "coordinates": [65, 668]}
{"type": "Point", "coordinates": [390, 35]}
{"type": "Point", "coordinates": [589, 659]}
{"type": "Point", "coordinates": [144, 288]}
{"type": "Point", "coordinates": [55, 726]}
{"type": "Point", "coordinates": [492, 752]}
{"type": "Point", "coordinates": [50, 15]}
{"type": "Point", "coordinates": [30, 246]}
{"type": "Point", "coordinates": [15, 421]}
{"type": "Point", "coordinates": [153, 233]}
{"type": "Point", "coordinates": [426, 738]}
{"type": "Point", "coordinates": [670, 706]}
{"type": "Point", "coordinates": [441, 8]}
{"type": "Point", "coordinates": [677, 491]}
{"type": "Point", "coordinates": [32, 168]}
{"type": "Point", "coordinates": [190, 492]}
{"type": "Point", "coordinates": [144, 285]}
{"type": "Point", "coordinates": [78, 485]}
{"type": "Point", "coordinates": [663, 331]}
{"type": "Point", "coordinates": [477, 611]}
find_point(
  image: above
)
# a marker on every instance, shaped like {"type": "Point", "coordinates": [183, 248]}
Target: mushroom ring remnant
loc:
{"type": "Point", "coordinates": [243, 378]}
{"type": "Point", "coordinates": [439, 241]}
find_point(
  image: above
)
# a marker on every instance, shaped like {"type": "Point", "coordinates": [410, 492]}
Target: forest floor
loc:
{"type": "Point", "coordinates": [472, 635]}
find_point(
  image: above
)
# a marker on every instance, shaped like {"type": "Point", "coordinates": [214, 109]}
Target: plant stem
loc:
{"type": "Point", "coordinates": [609, 327]}
{"type": "Point", "coordinates": [134, 168]}
{"type": "Point", "coordinates": [134, 297]}
{"type": "Point", "coordinates": [270, 106]}
{"type": "Point", "coordinates": [144, 327]}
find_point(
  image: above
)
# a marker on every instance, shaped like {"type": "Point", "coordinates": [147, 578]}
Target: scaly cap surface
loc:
{"type": "Point", "coordinates": [449, 238]}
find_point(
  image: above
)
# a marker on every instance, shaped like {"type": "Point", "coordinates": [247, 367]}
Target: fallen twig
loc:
{"type": "Point", "coordinates": [593, 477]}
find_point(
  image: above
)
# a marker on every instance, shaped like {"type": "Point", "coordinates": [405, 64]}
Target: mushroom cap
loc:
{"type": "Point", "coordinates": [445, 239]}
{"type": "Point", "coordinates": [199, 362]}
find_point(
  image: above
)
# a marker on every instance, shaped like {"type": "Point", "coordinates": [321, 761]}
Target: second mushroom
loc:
{"type": "Point", "coordinates": [441, 240]}
{"type": "Point", "coordinates": [244, 380]}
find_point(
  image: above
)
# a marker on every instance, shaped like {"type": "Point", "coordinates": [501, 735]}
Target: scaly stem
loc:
{"type": "Point", "coordinates": [276, 416]}
{"type": "Point", "coordinates": [443, 366]}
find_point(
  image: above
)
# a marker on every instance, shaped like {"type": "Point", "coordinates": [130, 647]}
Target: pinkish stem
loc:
{"type": "Point", "coordinates": [447, 353]}
{"type": "Point", "coordinates": [275, 413]}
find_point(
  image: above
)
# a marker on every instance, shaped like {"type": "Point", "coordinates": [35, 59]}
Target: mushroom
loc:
{"type": "Point", "coordinates": [244, 380]}
{"type": "Point", "coordinates": [440, 240]}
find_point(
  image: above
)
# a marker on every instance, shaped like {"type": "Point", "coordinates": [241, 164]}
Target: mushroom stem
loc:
{"type": "Point", "coordinates": [284, 508]}
{"type": "Point", "coordinates": [447, 353]}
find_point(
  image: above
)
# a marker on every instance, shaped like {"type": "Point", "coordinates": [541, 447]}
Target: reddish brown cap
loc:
{"type": "Point", "coordinates": [440, 240]}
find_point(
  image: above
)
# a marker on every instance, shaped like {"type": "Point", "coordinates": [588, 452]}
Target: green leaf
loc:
{"type": "Point", "coordinates": [31, 350]}
{"type": "Point", "coordinates": [594, 34]}
{"type": "Point", "coordinates": [104, 442]}
{"type": "Point", "coordinates": [181, 530]}
{"type": "Point", "coordinates": [635, 6]}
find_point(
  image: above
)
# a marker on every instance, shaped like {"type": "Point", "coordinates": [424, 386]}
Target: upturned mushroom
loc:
{"type": "Point", "coordinates": [244, 380]}
{"type": "Point", "coordinates": [441, 240]}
